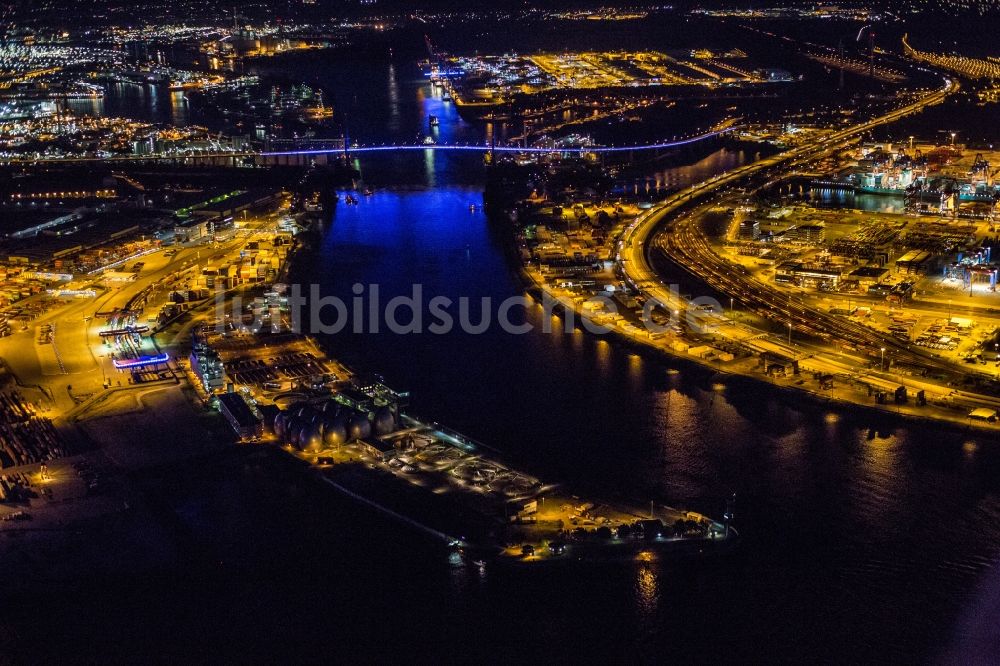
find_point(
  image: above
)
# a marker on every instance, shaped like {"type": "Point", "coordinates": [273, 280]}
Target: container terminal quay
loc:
{"type": "Point", "coordinates": [124, 337]}
{"type": "Point", "coordinates": [783, 311]}
{"type": "Point", "coordinates": [127, 339]}
{"type": "Point", "coordinates": [139, 345]}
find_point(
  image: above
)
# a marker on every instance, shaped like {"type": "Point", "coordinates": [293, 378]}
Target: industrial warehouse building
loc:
{"type": "Point", "coordinates": [237, 412]}
{"type": "Point", "coordinates": [812, 234]}
{"type": "Point", "coordinates": [868, 275]}
{"type": "Point", "coordinates": [749, 230]}
{"type": "Point", "coordinates": [378, 449]}
{"type": "Point", "coordinates": [207, 366]}
{"type": "Point", "coordinates": [802, 274]}
{"type": "Point", "coordinates": [914, 262]}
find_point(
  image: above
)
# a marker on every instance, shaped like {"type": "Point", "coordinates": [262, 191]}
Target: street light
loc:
{"type": "Point", "coordinates": [881, 364]}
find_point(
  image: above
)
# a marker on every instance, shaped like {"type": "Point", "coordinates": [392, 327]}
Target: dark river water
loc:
{"type": "Point", "coordinates": [863, 538]}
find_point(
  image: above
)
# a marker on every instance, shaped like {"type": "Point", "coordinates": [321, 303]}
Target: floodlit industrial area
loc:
{"type": "Point", "coordinates": [379, 331]}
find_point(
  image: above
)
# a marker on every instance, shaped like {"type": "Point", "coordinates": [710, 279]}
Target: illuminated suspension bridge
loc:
{"type": "Point", "coordinates": [330, 149]}
{"type": "Point", "coordinates": [486, 148]}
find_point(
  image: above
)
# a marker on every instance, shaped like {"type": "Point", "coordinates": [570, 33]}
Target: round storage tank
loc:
{"type": "Point", "coordinates": [384, 422]}
{"type": "Point", "coordinates": [334, 432]}
{"type": "Point", "coordinates": [359, 427]}
{"type": "Point", "coordinates": [279, 424]}
{"type": "Point", "coordinates": [305, 434]}
{"type": "Point", "coordinates": [296, 407]}
{"type": "Point", "coordinates": [311, 439]}
{"type": "Point", "coordinates": [292, 430]}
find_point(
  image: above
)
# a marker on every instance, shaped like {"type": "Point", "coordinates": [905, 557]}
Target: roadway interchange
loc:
{"type": "Point", "coordinates": [851, 346]}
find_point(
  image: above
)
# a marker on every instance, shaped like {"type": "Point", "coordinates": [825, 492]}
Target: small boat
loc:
{"type": "Point", "coordinates": [368, 192]}
{"type": "Point", "coordinates": [433, 120]}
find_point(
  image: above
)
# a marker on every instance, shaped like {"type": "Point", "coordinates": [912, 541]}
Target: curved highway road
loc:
{"type": "Point", "coordinates": [687, 245]}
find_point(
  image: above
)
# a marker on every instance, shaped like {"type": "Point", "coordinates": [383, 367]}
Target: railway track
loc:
{"type": "Point", "coordinates": [674, 228]}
